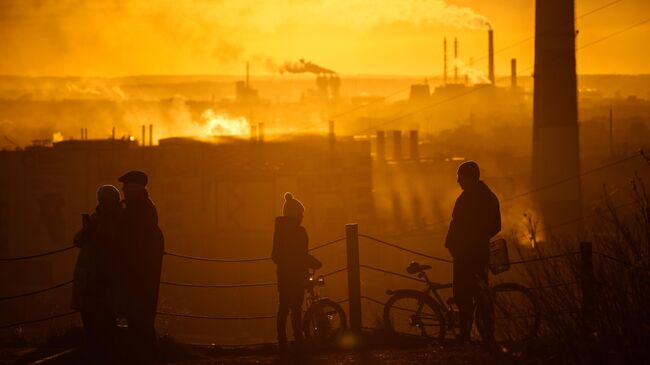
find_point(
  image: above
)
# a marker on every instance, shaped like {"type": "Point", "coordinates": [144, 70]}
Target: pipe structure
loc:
{"type": "Point", "coordinates": [444, 46]}
{"type": "Point", "coordinates": [513, 74]}
{"type": "Point", "coordinates": [491, 56]}
{"type": "Point", "coordinates": [381, 145]}
{"type": "Point", "coordinates": [455, 60]}
{"type": "Point", "coordinates": [413, 145]}
{"type": "Point", "coordinates": [397, 145]}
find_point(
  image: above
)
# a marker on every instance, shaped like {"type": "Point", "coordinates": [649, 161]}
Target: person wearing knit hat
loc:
{"type": "Point", "coordinates": [94, 284]}
{"type": "Point", "coordinates": [290, 254]}
{"type": "Point", "coordinates": [292, 207]}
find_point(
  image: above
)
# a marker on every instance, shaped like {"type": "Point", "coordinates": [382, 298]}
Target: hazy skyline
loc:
{"type": "Point", "coordinates": [131, 37]}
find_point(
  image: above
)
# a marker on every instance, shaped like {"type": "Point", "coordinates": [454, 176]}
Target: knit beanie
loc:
{"type": "Point", "coordinates": [292, 206]}
{"type": "Point", "coordinates": [108, 193]}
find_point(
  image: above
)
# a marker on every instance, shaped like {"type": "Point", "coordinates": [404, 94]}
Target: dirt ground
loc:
{"type": "Point", "coordinates": [429, 355]}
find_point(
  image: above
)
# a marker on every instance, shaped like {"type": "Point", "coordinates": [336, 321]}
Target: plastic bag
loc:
{"type": "Point", "coordinates": [499, 260]}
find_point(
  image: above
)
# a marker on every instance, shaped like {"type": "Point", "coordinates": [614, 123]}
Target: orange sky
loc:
{"type": "Point", "coordinates": [127, 37]}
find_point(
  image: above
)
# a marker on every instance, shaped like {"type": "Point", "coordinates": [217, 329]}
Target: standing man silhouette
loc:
{"type": "Point", "coordinates": [290, 254]}
{"type": "Point", "coordinates": [143, 252]}
{"type": "Point", "coordinates": [475, 220]}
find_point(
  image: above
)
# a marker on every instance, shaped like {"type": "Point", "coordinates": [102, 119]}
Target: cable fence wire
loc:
{"type": "Point", "coordinates": [406, 249]}
{"type": "Point", "coordinates": [225, 318]}
{"type": "Point", "coordinates": [327, 244]}
{"type": "Point", "coordinates": [16, 324]}
{"type": "Point", "coordinates": [251, 259]}
{"type": "Point", "coordinates": [391, 273]}
{"type": "Point", "coordinates": [209, 259]}
{"type": "Point", "coordinates": [526, 261]}
{"type": "Point", "coordinates": [373, 300]}
{"type": "Point", "coordinates": [557, 285]}
{"type": "Point", "coordinates": [611, 258]}
{"type": "Point", "coordinates": [37, 255]}
{"type": "Point", "coordinates": [190, 285]}
{"type": "Point", "coordinates": [243, 285]}
{"type": "Point", "coordinates": [36, 291]}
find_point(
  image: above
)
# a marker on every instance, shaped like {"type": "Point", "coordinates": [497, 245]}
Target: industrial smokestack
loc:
{"type": "Point", "coordinates": [381, 145]}
{"type": "Point", "coordinates": [414, 152]}
{"type": "Point", "coordinates": [491, 56]}
{"type": "Point", "coordinates": [150, 135]}
{"type": "Point", "coordinates": [397, 145]}
{"type": "Point", "coordinates": [143, 136]}
{"type": "Point", "coordinates": [260, 131]}
{"type": "Point", "coordinates": [455, 60]}
{"type": "Point", "coordinates": [444, 46]}
{"type": "Point", "coordinates": [556, 152]}
{"type": "Point", "coordinates": [253, 133]}
{"type": "Point", "coordinates": [247, 76]}
{"type": "Point", "coordinates": [513, 74]}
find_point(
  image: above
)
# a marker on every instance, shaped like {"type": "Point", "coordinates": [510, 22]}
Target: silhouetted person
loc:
{"type": "Point", "coordinates": [475, 220]}
{"type": "Point", "coordinates": [290, 254]}
{"type": "Point", "coordinates": [143, 246]}
{"type": "Point", "coordinates": [94, 282]}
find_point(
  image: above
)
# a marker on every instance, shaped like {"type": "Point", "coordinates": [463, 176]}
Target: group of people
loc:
{"type": "Point", "coordinates": [119, 264]}
{"type": "Point", "coordinates": [117, 273]}
{"type": "Point", "coordinates": [476, 218]}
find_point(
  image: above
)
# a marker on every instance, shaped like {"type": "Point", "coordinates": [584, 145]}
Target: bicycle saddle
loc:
{"type": "Point", "coordinates": [415, 268]}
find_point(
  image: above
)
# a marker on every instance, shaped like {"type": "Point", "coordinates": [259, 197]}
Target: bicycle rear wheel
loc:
{"type": "Point", "coordinates": [324, 321]}
{"type": "Point", "coordinates": [508, 314]}
{"type": "Point", "coordinates": [412, 313]}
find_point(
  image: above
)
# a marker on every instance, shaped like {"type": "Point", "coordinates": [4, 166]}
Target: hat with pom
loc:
{"type": "Point", "coordinates": [108, 193]}
{"type": "Point", "coordinates": [292, 206]}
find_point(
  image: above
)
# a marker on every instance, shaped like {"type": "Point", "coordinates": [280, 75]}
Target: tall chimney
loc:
{"type": "Point", "coordinates": [253, 133]}
{"type": "Point", "coordinates": [150, 135]}
{"type": "Point", "coordinates": [414, 152]}
{"type": "Point", "coordinates": [397, 145]}
{"type": "Point", "coordinates": [381, 145]}
{"type": "Point", "coordinates": [491, 56]}
{"type": "Point", "coordinates": [260, 132]}
{"type": "Point", "coordinates": [555, 112]}
{"type": "Point", "coordinates": [444, 46]}
{"type": "Point", "coordinates": [455, 60]}
{"type": "Point", "coordinates": [143, 136]}
{"type": "Point", "coordinates": [247, 77]}
{"type": "Point", "coordinates": [513, 74]}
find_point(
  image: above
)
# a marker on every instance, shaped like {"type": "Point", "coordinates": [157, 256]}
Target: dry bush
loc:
{"type": "Point", "coordinates": [620, 332]}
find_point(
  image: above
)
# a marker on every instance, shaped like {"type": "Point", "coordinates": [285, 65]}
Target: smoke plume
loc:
{"type": "Point", "coordinates": [303, 66]}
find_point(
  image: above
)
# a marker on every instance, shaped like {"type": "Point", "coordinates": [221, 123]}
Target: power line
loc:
{"type": "Point", "coordinates": [397, 92]}
{"type": "Point", "coordinates": [476, 88]}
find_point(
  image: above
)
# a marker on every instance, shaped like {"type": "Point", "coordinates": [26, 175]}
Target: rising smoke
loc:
{"type": "Point", "coordinates": [303, 66]}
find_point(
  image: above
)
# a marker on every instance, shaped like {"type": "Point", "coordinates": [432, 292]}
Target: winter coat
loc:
{"type": "Point", "coordinates": [142, 251]}
{"type": "Point", "coordinates": [476, 218]}
{"type": "Point", "coordinates": [290, 251]}
{"type": "Point", "coordinates": [94, 279]}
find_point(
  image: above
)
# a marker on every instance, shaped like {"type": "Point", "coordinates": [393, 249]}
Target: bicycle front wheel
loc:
{"type": "Point", "coordinates": [324, 321]}
{"type": "Point", "coordinates": [412, 313]}
{"type": "Point", "coordinates": [509, 313]}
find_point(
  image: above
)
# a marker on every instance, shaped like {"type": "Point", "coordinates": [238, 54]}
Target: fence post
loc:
{"type": "Point", "coordinates": [354, 276]}
{"type": "Point", "coordinates": [587, 285]}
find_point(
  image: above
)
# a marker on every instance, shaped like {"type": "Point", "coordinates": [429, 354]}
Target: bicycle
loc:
{"type": "Point", "coordinates": [324, 319]}
{"type": "Point", "coordinates": [506, 312]}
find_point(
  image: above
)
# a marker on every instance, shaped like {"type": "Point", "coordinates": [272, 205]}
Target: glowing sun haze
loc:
{"type": "Point", "coordinates": [127, 37]}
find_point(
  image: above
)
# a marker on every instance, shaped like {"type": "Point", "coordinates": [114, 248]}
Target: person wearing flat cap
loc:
{"type": "Point", "coordinates": [143, 250]}
{"type": "Point", "coordinates": [476, 218]}
{"type": "Point", "coordinates": [290, 254]}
